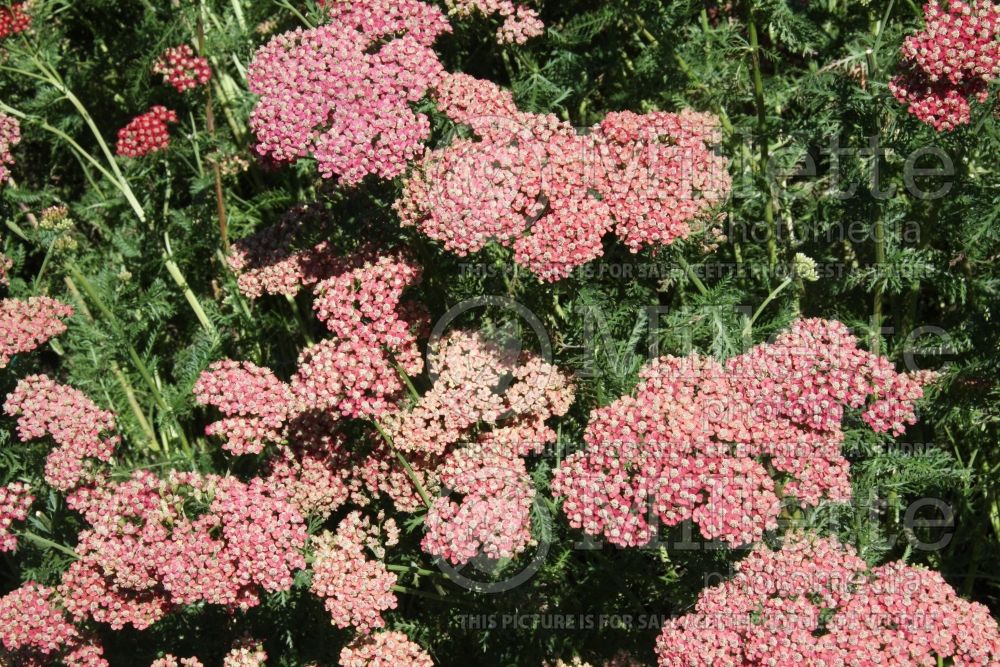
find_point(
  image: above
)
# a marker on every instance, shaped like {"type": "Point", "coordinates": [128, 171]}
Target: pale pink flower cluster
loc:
{"type": "Point", "coordinates": [15, 500]}
{"type": "Point", "coordinates": [182, 69]}
{"type": "Point", "coordinates": [493, 517]}
{"type": "Point", "coordinates": [148, 549]}
{"type": "Point", "coordinates": [384, 649]}
{"type": "Point", "coordinates": [173, 661]}
{"type": "Point", "coordinates": [315, 483]}
{"type": "Point", "coordinates": [34, 630]}
{"type": "Point", "coordinates": [533, 183]}
{"type": "Point", "coordinates": [246, 653]}
{"type": "Point", "coordinates": [507, 397]}
{"type": "Point", "coordinates": [692, 441]}
{"type": "Point", "coordinates": [520, 23]}
{"type": "Point", "coordinates": [477, 382]}
{"type": "Point", "coordinates": [341, 92]}
{"type": "Point", "coordinates": [355, 587]}
{"type": "Point", "coordinates": [27, 324]}
{"type": "Point", "coordinates": [814, 602]}
{"type": "Point", "coordinates": [10, 136]}
{"type": "Point", "coordinates": [951, 62]}
{"type": "Point", "coordinates": [269, 261]}
{"type": "Point", "coordinates": [79, 428]}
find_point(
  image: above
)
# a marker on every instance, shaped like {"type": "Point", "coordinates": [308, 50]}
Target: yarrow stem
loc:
{"type": "Point", "coordinates": [748, 327]}
{"type": "Point", "coordinates": [403, 462]}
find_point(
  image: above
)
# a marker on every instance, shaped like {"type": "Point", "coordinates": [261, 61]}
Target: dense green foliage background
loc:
{"type": "Point", "coordinates": [138, 344]}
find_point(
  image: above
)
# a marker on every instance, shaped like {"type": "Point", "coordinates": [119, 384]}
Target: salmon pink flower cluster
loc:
{"type": "Point", "coordinates": [951, 62]}
{"type": "Point", "coordinates": [81, 431]}
{"type": "Point", "coordinates": [533, 183]}
{"type": "Point", "coordinates": [147, 133]}
{"type": "Point", "coordinates": [355, 587]}
{"type": "Point", "coordinates": [692, 441]}
{"type": "Point", "coordinates": [31, 624]}
{"type": "Point", "coordinates": [520, 23]}
{"type": "Point", "coordinates": [27, 324]}
{"type": "Point", "coordinates": [182, 69]}
{"type": "Point", "coordinates": [15, 500]}
{"type": "Point", "coordinates": [384, 648]}
{"type": "Point", "coordinates": [815, 602]}
{"type": "Point", "coordinates": [10, 136]}
{"type": "Point", "coordinates": [341, 92]}
{"type": "Point", "coordinates": [154, 544]}
{"type": "Point", "coordinates": [13, 20]}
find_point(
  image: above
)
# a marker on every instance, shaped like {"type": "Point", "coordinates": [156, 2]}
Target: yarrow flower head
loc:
{"type": "Point", "coordinates": [147, 133]}
{"type": "Point", "coordinates": [13, 20]}
{"type": "Point", "coordinates": [814, 602]}
{"type": "Point", "coordinates": [26, 325]}
{"type": "Point", "coordinates": [690, 442]}
{"type": "Point", "coordinates": [31, 622]}
{"type": "Point", "coordinates": [10, 136]}
{"type": "Point", "coordinates": [520, 23]}
{"type": "Point", "coordinates": [182, 69]}
{"type": "Point", "coordinates": [155, 543]}
{"type": "Point", "coordinates": [15, 499]}
{"type": "Point", "coordinates": [356, 588]}
{"type": "Point", "coordinates": [341, 92]}
{"type": "Point", "coordinates": [384, 648]}
{"type": "Point", "coordinates": [949, 63]}
{"type": "Point", "coordinates": [533, 183]}
{"type": "Point", "coordinates": [80, 429]}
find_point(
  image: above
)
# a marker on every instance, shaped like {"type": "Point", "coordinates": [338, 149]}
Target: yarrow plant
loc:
{"type": "Point", "coordinates": [520, 23]}
{"type": "Point", "coordinates": [10, 136]}
{"type": "Point", "coordinates": [704, 441]}
{"type": "Point", "coordinates": [28, 324]}
{"type": "Point", "coordinates": [532, 182]}
{"type": "Point", "coordinates": [814, 601]}
{"type": "Point", "coordinates": [341, 92]}
{"type": "Point", "coordinates": [182, 69]}
{"type": "Point", "coordinates": [147, 133]}
{"type": "Point", "coordinates": [950, 63]}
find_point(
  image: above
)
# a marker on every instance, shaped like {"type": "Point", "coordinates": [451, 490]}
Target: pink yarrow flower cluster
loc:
{"type": "Point", "coordinates": [341, 92]}
{"type": "Point", "coordinates": [26, 325]}
{"type": "Point", "coordinates": [81, 431]}
{"type": "Point", "coordinates": [10, 136]}
{"type": "Point", "coordinates": [355, 587]}
{"type": "Point", "coordinates": [384, 649]}
{"type": "Point", "coordinates": [691, 442]}
{"type": "Point", "coordinates": [182, 69]}
{"type": "Point", "coordinates": [154, 544]}
{"type": "Point", "coordinates": [15, 500]}
{"type": "Point", "coordinates": [949, 63]}
{"type": "Point", "coordinates": [814, 602]}
{"type": "Point", "coordinates": [352, 374]}
{"type": "Point", "coordinates": [35, 630]}
{"type": "Point", "coordinates": [533, 183]}
{"type": "Point", "coordinates": [147, 133]}
{"type": "Point", "coordinates": [520, 23]}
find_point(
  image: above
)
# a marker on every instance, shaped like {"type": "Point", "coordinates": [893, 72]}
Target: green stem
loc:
{"type": "Point", "coordinates": [45, 542]}
{"type": "Point", "coordinates": [192, 298]}
{"type": "Point", "coordinates": [692, 276]}
{"type": "Point", "coordinates": [748, 328]}
{"type": "Point", "coordinates": [403, 462]}
{"type": "Point", "coordinates": [876, 339]}
{"type": "Point", "coordinates": [758, 92]}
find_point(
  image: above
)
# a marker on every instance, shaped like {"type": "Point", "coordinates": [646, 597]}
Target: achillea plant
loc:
{"type": "Point", "coordinates": [814, 601]}
{"type": "Point", "coordinates": [949, 63]}
{"type": "Point", "coordinates": [702, 440]}
{"type": "Point", "coordinates": [26, 325]}
{"type": "Point", "coordinates": [182, 69]}
{"type": "Point", "coordinates": [10, 136]}
{"type": "Point", "coordinates": [146, 133]}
